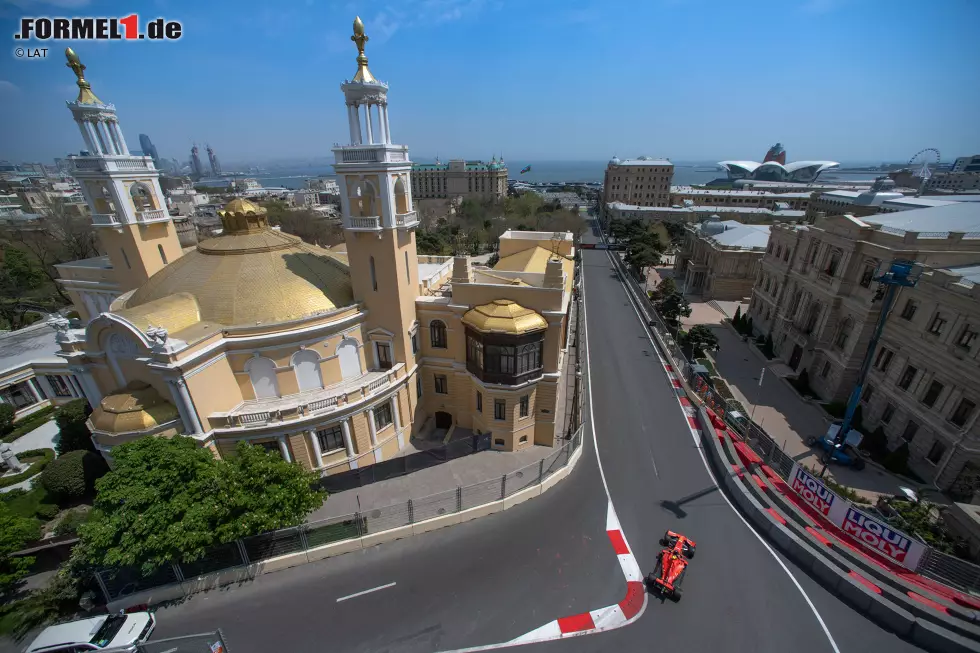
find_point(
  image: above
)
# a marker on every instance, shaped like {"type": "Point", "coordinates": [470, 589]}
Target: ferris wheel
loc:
{"type": "Point", "coordinates": [921, 161]}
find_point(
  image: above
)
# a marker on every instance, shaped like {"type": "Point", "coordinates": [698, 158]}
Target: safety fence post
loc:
{"type": "Point", "coordinates": [411, 512]}
{"type": "Point", "coordinates": [503, 486]}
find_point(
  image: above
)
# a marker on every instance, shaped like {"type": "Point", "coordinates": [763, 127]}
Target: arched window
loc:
{"type": "Point", "coordinates": [306, 363]}
{"type": "Point", "coordinates": [262, 373]}
{"type": "Point", "coordinates": [163, 255]}
{"type": "Point", "coordinates": [437, 333]}
{"type": "Point", "coordinates": [142, 197]}
{"type": "Point", "coordinates": [350, 360]}
{"type": "Point", "coordinates": [401, 196]}
{"type": "Point", "coordinates": [366, 200]}
{"type": "Point", "coordinates": [374, 275]}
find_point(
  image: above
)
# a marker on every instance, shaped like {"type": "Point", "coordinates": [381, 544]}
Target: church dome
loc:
{"type": "Point", "coordinates": [614, 161]}
{"type": "Point", "coordinates": [504, 316]}
{"type": "Point", "coordinates": [251, 274]}
{"type": "Point", "coordinates": [137, 407]}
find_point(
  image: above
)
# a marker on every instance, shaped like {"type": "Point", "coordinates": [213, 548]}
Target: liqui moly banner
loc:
{"type": "Point", "coordinates": [882, 538]}
{"type": "Point", "coordinates": [817, 495]}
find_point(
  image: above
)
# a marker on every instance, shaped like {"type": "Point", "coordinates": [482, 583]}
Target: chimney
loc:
{"type": "Point", "coordinates": [461, 270]}
{"type": "Point", "coordinates": [554, 274]}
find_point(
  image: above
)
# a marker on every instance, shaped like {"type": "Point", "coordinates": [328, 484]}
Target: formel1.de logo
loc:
{"type": "Point", "coordinates": [97, 29]}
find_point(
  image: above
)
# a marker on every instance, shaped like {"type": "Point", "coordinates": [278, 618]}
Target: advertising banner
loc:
{"type": "Point", "coordinates": [868, 530]}
{"type": "Point", "coordinates": [882, 538]}
{"type": "Point", "coordinates": [818, 495]}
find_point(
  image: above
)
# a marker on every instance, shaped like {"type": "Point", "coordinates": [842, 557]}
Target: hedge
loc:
{"type": "Point", "coordinates": [73, 474]}
{"type": "Point", "coordinates": [74, 431]}
{"type": "Point", "coordinates": [34, 469]}
{"type": "Point", "coordinates": [29, 423]}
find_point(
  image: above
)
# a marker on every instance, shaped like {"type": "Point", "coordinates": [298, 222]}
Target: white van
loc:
{"type": "Point", "coordinates": [115, 632]}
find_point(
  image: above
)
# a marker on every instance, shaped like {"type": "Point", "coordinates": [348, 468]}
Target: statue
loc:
{"type": "Point", "coordinates": [10, 460]}
{"type": "Point", "coordinates": [157, 335]}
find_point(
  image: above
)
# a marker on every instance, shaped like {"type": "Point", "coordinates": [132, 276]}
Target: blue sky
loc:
{"type": "Point", "coordinates": [847, 80]}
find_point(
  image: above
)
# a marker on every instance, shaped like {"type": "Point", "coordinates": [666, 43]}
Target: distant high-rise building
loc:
{"type": "Point", "coordinates": [149, 149]}
{"type": "Point", "coordinates": [196, 168]}
{"type": "Point", "coordinates": [215, 166]}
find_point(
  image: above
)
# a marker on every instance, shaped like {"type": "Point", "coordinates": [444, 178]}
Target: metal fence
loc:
{"type": "Point", "coordinates": [119, 583]}
{"type": "Point", "coordinates": [942, 567]}
{"type": "Point", "coordinates": [203, 643]}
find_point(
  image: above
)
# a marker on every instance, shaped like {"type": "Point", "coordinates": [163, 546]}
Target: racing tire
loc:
{"type": "Point", "coordinates": [689, 552]}
{"type": "Point", "coordinates": [678, 591]}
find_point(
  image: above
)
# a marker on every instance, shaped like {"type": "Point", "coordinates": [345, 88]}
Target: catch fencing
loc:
{"type": "Point", "coordinates": [942, 567]}
{"type": "Point", "coordinates": [119, 583]}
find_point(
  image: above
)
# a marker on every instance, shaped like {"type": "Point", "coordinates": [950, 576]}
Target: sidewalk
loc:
{"type": "Point", "coordinates": [787, 418]}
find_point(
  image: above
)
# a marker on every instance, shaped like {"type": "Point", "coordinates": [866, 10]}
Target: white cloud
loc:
{"type": "Point", "coordinates": [415, 13]}
{"type": "Point", "coordinates": [8, 89]}
{"type": "Point", "coordinates": [59, 4]}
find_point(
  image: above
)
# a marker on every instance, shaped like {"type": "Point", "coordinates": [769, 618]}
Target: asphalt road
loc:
{"type": "Point", "coordinates": [495, 578]}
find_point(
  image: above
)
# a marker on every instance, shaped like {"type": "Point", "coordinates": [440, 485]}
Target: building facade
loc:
{"type": "Point", "coordinates": [797, 201]}
{"type": "Point", "coordinates": [335, 359]}
{"type": "Point", "coordinates": [692, 214]}
{"type": "Point", "coordinates": [718, 259]}
{"type": "Point", "coordinates": [924, 384]}
{"type": "Point", "coordinates": [642, 181]}
{"type": "Point", "coordinates": [815, 293]}
{"type": "Point", "coordinates": [459, 178]}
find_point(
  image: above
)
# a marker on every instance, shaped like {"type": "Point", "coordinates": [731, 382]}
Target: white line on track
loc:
{"type": "Point", "coordinates": [373, 589]}
{"type": "Point", "coordinates": [656, 348]}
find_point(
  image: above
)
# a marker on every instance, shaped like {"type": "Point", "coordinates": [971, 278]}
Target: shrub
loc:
{"type": "Point", "coordinates": [73, 475]}
{"type": "Point", "coordinates": [47, 511]}
{"type": "Point", "coordinates": [876, 444]}
{"type": "Point", "coordinates": [748, 326]}
{"type": "Point", "coordinates": [71, 521]}
{"type": "Point", "coordinates": [737, 320]}
{"type": "Point", "coordinates": [6, 418]}
{"type": "Point", "coordinates": [897, 461]}
{"type": "Point", "coordinates": [75, 435]}
{"type": "Point", "coordinates": [802, 382]}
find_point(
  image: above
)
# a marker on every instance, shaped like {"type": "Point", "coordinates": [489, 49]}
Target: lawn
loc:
{"type": "Point", "coordinates": [29, 423]}
{"type": "Point", "coordinates": [29, 503]}
{"type": "Point", "coordinates": [708, 365]}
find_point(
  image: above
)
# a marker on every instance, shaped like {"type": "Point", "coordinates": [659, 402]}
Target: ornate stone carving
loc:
{"type": "Point", "coordinates": [157, 335]}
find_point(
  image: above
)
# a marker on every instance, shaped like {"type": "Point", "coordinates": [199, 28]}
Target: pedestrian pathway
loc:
{"type": "Point", "coordinates": [757, 384]}
{"type": "Point", "coordinates": [43, 437]}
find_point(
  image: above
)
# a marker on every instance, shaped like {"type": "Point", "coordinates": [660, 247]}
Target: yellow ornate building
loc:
{"type": "Point", "coordinates": [336, 360]}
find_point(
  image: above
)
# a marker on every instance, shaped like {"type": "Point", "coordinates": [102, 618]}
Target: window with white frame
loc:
{"type": "Point", "coordinates": [382, 416]}
{"type": "Point", "coordinates": [330, 438]}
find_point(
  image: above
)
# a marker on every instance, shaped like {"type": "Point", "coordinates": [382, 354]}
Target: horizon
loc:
{"type": "Point", "coordinates": [261, 85]}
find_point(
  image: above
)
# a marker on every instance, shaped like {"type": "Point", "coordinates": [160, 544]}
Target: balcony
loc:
{"type": "Point", "coordinates": [371, 153]}
{"type": "Point", "coordinates": [105, 220]}
{"type": "Point", "coordinates": [406, 220]}
{"type": "Point", "coordinates": [276, 410]}
{"type": "Point", "coordinates": [150, 217]}
{"type": "Point", "coordinates": [365, 224]}
{"type": "Point", "coordinates": [112, 164]}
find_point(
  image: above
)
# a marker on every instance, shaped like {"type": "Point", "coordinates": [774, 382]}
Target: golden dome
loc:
{"type": "Point", "coordinates": [243, 206]}
{"type": "Point", "coordinates": [85, 94]}
{"type": "Point", "coordinates": [504, 316]}
{"type": "Point", "coordinates": [242, 216]}
{"type": "Point", "coordinates": [252, 276]}
{"type": "Point", "coordinates": [138, 407]}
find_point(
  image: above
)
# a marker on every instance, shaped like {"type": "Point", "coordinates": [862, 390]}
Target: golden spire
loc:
{"type": "Point", "coordinates": [85, 94]}
{"type": "Point", "coordinates": [360, 38]}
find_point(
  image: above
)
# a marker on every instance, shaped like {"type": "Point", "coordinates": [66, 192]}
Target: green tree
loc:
{"type": "Point", "coordinates": [699, 340]}
{"type": "Point", "coordinates": [665, 288]}
{"type": "Point", "coordinates": [673, 307]}
{"type": "Point", "coordinates": [74, 434]}
{"type": "Point", "coordinates": [169, 500]}
{"type": "Point", "coordinates": [73, 475]}
{"type": "Point", "coordinates": [641, 256]}
{"type": "Point", "coordinates": [21, 288]}
{"type": "Point", "coordinates": [15, 532]}
{"type": "Point", "coordinates": [737, 320]}
{"type": "Point", "coordinates": [7, 413]}
{"type": "Point", "coordinates": [749, 326]}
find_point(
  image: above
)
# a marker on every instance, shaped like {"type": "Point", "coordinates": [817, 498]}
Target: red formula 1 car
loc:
{"type": "Point", "coordinates": [672, 560]}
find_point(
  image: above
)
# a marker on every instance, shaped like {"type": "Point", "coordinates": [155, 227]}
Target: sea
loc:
{"type": "Point", "coordinates": [685, 173]}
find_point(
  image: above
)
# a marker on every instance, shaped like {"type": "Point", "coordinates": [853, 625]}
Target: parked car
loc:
{"type": "Point", "coordinates": [114, 632]}
{"type": "Point", "coordinates": [845, 453]}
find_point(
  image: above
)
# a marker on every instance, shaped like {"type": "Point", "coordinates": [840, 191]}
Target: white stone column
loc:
{"type": "Point", "coordinates": [93, 136]}
{"type": "Point", "coordinates": [348, 443]}
{"type": "Point", "coordinates": [34, 392]}
{"type": "Point", "coordinates": [317, 452]}
{"type": "Point", "coordinates": [185, 417]}
{"type": "Point", "coordinates": [46, 387]}
{"type": "Point", "coordinates": [367, 114]}
{"type": "Point", "coordinates": [86, 135]}
{"type": "Point", "coordinates": [284, 449]}
{"type": "Point", "coordinates": [371, 427]}
{"type": "Point", "coordinates": [352, 123]}
{"type": "Point", "coordinates": [185, 398]}
{"type": "Point", "coordinates": [107, 146]}
{"type": "Point", "coordinates": [123, 147]}
{"type": "Point", "coordinates": [88, 385]}
{"type": "Point", "coordinates": [358, 138]}
{"type": "Point", "coordinates": [384, 121]}
{"type": "Point", "coordinates": [76, 390]}
{"type": "Point", "coordinates": [397, 420]}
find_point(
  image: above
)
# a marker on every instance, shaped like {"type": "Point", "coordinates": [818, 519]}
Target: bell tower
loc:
{"type": "Point", "coordinates": [122, 190]}
{"type": "Point", "coordinates": [379, 223]}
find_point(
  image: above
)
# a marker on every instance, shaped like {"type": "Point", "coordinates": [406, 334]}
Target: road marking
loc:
{"type": "Point", "coordinates": [373, 589]}
{"type": "Point", "coordinates": [697, 441]}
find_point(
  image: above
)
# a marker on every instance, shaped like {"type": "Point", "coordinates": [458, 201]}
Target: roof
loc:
{"type": "Point", "coordinates": [32, 344]}
{"type": "Point", "coordinates": [742, 236]}
{"type": "Point", "coordinates": [937, 221]}
{"type": "Point", "coordinates": [708, 208]}
{"type": "Point", "coordinates": [138, 407]}
{"type": "Point", "coordinates": [253, 277]}
{"type": "Point", "coordinates": [969, 272]}
{"type": "Point", "coordinates": [915, 202]}
{"type": "Point", "coordinates": [535, 259]}
{"type": "Point", "coordinates": [643, 161]}
{"type": "Point", "coordinates": [504, 316]}
{"type": "Point", "coordinates": [690, 190]}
